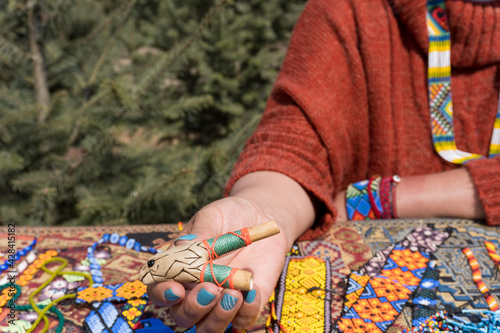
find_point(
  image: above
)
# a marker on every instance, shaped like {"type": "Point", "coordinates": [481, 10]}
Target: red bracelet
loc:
{"type": "Point", "coordinates": [385, 197]}
{"type": "Point", "coordinates": [371, 197]}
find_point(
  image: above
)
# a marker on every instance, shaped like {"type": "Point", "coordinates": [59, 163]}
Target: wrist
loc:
{"type": "Point", "coordinates": [445, 194]}
{"type": "Point", "coordinates": [278, 198]}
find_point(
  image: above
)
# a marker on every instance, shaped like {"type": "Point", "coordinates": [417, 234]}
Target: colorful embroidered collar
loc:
{"type": "Point", "coordinates": [439, 81]}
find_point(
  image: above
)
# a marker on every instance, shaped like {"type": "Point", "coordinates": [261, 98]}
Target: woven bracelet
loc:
{"type": "Point", "coordinates": [373, 198]}
{"type": "Point", "coordinates": [387, 196]}
{"type": "Point", "coordinates": [362, 200]}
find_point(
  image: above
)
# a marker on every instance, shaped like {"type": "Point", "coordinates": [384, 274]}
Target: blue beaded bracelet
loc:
{"type": "Point", "coordinates": [12, 258]}
{"type": "Point", "coordinates": [129, 243]}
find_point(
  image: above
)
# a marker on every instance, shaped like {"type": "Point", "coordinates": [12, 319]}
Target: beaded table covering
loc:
{"type": "Point", "coordinates": [311, 296]}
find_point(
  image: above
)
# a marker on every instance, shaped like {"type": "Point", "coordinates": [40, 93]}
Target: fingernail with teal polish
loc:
{"type": "Point", "coordinates": [186, 237]}
{"type": "Point", "coordinates": [170, 296]}
{"type": "Point", "coordinates": [250, 296]}
{"type": "Point", "coordinates": [228, 302]}
{"type": "Point", "coordinates": [204, 297]}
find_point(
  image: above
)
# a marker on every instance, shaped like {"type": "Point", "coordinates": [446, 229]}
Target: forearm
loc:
{"type": "Point", "coordinates": [281, 198]}
{"type": "Point", "coordinates": [445, 194]}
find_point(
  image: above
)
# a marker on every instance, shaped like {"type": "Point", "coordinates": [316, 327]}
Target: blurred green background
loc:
{"type": "Point", "coordinates": [130, 112]}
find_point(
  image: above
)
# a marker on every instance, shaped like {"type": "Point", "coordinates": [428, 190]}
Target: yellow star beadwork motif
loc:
{"type": "Point", "coordinates": [129, 290]}
{"type": "Point", "coordinates": [95, 294]}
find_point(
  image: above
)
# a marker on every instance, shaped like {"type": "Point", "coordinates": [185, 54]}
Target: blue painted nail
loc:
{"type": "Point", "coordinates": [170, 295]}
{"type": "Point", "coordinates": [186, 237]}
{"type": "Point", "coordinates": [228, 302]}
{"type": "Point", "coordinates": [250, 296]}
{"type": "Point", "coordinates": [204, 297]}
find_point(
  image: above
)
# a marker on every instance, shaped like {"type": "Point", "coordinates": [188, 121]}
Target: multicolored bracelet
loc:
{"type": "Point", "coordinates": [372, 199]}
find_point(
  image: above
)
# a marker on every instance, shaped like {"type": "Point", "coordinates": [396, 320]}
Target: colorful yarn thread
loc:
{"type": "Point", "coordinates": [439, 86]}
{"type": "Point", "coordinates": [478, 279]}
{"type": "Point", "coordinates": [58, 272]}
{"type": "Point", "coordinates": [222, 276]}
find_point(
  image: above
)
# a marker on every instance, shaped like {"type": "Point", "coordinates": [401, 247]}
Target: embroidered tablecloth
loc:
{"type": "Point", "coordinates": [309, 296]}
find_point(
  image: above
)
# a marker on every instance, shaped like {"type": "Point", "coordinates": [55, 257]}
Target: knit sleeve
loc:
{"type": "Point", "coordinates": [485, 174]}
{"type": "Point", "coordinates": [303, 120]}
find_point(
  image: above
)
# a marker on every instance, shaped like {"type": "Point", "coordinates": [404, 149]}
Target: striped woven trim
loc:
{"type": "Point", "coordinates": [439, 86]}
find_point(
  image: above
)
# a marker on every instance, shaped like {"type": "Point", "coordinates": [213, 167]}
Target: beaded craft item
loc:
{"type": "Point", "coordinates": [302, 303]}
{"type": "Point", "coordinates": [106, 318]}
{"type": "Point", "coordinates": [374, 302]}
{"type": "Point", "coordinates": [129, 243]}
{"type": "Point", "coordinates": [153, 325]}
{"type": "Point", "coordinates": [133, 310]}
{"type": "Point", "coordinates": [425, 299]}
{"type": "Point", "coordinates": [14, 256]}
{"type": "Point", "coordinates": [478, 279]}
{"type": "Point", "coordinates": [485, 322]}
{"type": "Point", "coordinates": [425, 238]}
{"type": "Point", "coordinates": [490, 247]}
{"type": "Point", "coordinates": [359, 197]}
{"type": "Point", "coordinates": [107, 293]}
{"type": "Point", "coordinates": [439, 85]}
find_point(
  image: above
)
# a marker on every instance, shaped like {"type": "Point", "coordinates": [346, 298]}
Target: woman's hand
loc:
{"type": "Point", "coordinates": [255, 199]}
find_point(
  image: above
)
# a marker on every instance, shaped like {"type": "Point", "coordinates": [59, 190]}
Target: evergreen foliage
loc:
{"type": "Point", "coordinates": [130, 111]}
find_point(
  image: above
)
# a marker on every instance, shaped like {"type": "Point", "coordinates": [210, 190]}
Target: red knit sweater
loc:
{"type": "Point", "coordinates": [351, 99]}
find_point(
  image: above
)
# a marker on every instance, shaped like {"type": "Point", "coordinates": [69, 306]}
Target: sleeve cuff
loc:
{"type": "Point", "coordinates": [485, 174]}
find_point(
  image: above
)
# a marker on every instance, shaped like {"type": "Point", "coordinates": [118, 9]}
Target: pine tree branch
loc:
{"type": "Point", "coordinates": [110, 43]}
{"type": "Point", "coordinates": [92, 36]}
{"type": "Point", "coordinates": [166, 61]}
{"type": "Point", "coordinates": [40, 75]}
{"type": "Point", "coordinates": [12, 55]}
{"type": "Point", "coordinates": [79, 114]}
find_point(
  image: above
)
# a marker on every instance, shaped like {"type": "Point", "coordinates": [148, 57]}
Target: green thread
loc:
{"type": "Point", "coordinates": [220, 273]}
{"type": "Point", "coordinates": [226, 243]}
{"type": "Point", "coordinates": [54, 274]}
{"type": "Point", "coordinates": [52, 309]}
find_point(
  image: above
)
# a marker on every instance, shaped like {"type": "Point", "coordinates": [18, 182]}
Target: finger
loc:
{"type": "Point", "coordinates": [249, 311]}
{"type": "Point", "coordinates": [166, 293]}
{"type": "Point", "coordinates": [222, 314]}
{"type": "Point", "coordinates": [196, 304]}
